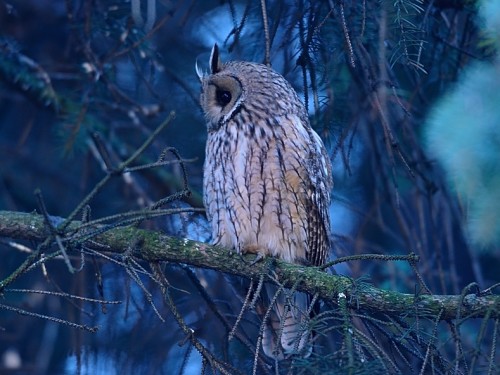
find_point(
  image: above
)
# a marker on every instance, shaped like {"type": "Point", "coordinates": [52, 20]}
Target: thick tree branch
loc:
{"type": "Point", "coordinates": [155, 246]}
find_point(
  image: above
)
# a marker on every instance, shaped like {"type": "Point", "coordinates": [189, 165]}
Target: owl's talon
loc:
{"type": "Point", "coordinates": [252, 249]}
{"type": "Point", "coordinates": [242, 258]}
{"type": "Point", "coordinates": [257, 259]}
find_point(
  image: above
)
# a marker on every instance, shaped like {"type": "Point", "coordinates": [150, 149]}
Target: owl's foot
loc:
{"type": "Point", "coordinates": [257, 259]}
{"type": "Point", "coordinates": [253, 249]}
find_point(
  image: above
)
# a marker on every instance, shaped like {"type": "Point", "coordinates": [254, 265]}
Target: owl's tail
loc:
{"type": "Point", "coordinates": [286, 332]}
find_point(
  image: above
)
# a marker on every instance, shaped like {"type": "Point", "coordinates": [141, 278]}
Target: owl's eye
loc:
{"type": "Point", "coordinates": [223, 97]}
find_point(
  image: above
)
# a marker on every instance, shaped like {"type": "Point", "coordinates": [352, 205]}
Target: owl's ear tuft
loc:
{"type": "Point", "coordinates": [199, 72]}
{"type": "Point", "coordinates": [215, 63]}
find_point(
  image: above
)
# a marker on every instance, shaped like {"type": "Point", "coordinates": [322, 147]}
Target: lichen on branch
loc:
{"type": "Point", "coordinates": [156, 246]}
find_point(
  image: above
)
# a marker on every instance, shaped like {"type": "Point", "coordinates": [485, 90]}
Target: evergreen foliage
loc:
{"type": "Point", "coordinates": [464, 135]}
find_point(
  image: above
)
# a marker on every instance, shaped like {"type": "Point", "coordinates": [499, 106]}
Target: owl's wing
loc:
{"type": "Point", "coordinates": [320, 174]}
{"type": "Point", "coordinates": [308, 156]}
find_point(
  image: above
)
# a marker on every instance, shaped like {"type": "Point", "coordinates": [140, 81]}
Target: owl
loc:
{"type": "Point", "coordinates": [267, 180]}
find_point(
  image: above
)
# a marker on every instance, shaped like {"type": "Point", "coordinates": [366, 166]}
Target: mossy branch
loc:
{"type": "Point", "coordinates": [155, 246]}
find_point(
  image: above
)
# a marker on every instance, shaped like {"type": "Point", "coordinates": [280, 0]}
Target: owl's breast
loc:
{"type": "Point", "coordinates": [254, 193]}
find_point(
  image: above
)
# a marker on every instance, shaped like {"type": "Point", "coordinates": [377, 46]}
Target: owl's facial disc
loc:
{"type": "Point", "coordinates": [221, 97]}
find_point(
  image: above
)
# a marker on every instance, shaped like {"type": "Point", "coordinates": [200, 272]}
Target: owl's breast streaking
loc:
{"type": "Point", "coordinates": [257, 191]}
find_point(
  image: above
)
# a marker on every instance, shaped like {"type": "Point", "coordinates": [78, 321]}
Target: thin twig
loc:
{"type": "Point", "coordinates": [189, 332]}
{"type": "Point", "coordinates": [118, 170]}
{"type": "Point", "coordinates": [409, 258]}
{"type": "Point", "coordinates": [267, 58]}
{"type": "Point", "coordinates": [47, 317]}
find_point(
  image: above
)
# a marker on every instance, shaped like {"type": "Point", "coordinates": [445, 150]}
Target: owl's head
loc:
{"type": "Point", "coordinates": [239, 88]}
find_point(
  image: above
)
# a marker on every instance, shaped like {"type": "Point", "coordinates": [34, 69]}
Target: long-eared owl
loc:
{"type": "Point", "coordinates": [267, 177]}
